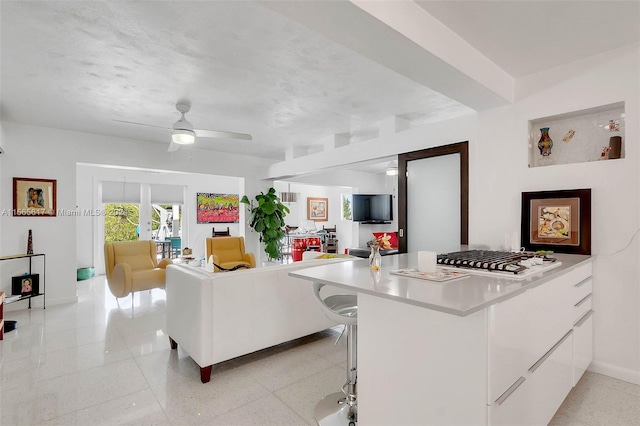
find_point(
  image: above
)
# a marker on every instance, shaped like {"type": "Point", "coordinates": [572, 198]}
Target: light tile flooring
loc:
{"type": "Point", "coordinates": [94, 362]}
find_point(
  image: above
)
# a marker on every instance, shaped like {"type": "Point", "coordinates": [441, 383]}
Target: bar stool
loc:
{"type": "Point", "coordinates": [340, 408]}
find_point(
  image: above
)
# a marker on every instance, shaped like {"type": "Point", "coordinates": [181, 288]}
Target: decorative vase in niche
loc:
{"type": "Point", "coordinates": [30, 243]}
{"type": "Point", "coordinates": [375, 259]}
{"type": "Point", "coordinates": [545, 144]}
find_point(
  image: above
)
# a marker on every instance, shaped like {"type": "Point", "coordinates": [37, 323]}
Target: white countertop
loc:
{"type": "Point", "coordinates": [460, 297]}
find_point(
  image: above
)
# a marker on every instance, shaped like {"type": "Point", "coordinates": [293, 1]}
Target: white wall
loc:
{"type": "Point", "coordinates": [615, 215]}
{"type": "Point", "coordinates": [499, 173]}
{"type": "Point", "coordinates": [32, 151]}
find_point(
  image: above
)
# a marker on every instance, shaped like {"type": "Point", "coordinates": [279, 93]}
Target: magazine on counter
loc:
{"type": "Point", "coordinates": [440, 274]}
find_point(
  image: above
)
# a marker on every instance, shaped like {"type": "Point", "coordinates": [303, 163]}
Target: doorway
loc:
{"type": "Point", "coordinates": [433, 198]}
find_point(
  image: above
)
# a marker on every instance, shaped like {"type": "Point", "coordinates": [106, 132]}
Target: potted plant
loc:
{"type": "Point", "coordinates": [267, 218]}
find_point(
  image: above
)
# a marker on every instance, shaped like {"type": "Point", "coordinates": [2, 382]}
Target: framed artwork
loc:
{"type": "Point", "coordinates": [559, 221]}
{"type": "Point", "coordinates": [317, 209]}
{"type": "Point", "coordinates": [347, 206]}
{"type": "Point", "coordinates": [25, 285]}
{"type": "Point", "coordinates": [34, 197]}
{"type": "Point", "coordinates": [217, 208]}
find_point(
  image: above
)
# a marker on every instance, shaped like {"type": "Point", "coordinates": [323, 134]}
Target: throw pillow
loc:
{"type": "Point", "coordinates": [386, 240]}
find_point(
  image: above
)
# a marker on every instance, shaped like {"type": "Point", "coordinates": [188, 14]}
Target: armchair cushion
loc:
{"type": "Point", "coordinates": [228, 252]}
{"type": "Point", "coordinates": [132, 266]}
{"type": "Point", "coordinates": [135, 262]}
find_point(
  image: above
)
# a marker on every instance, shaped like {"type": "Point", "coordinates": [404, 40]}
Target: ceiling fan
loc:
{"type": "Point", "coordinates": [183, 133]}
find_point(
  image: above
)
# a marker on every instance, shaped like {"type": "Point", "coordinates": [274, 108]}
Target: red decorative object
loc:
{"type": "Point", "coordinates": [299, 245]}
{"type": "Point", "coordinates": [313, 244]}
{"type": "Point", "coordinates": [387, 240]}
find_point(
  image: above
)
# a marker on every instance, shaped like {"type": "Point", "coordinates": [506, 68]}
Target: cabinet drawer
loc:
{"type": "Point", "coordinates": [537, 397]}
{"type": "Point", "coordinates": [524, 328]}
{"type": "Point", "coordinates": [583, 306]}
{"type": "Point", "coordinates": [581, 273]}
{"type": "Point", "coordinates": [582, 289]}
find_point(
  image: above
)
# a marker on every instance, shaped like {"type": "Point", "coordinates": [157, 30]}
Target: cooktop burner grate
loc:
{"type": "Point", "coordinates": [488, 260]}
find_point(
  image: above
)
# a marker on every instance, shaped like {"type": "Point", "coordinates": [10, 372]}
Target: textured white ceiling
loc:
{"type": "Point", "coordinates": [244, 68]}
{"type": "Point", "coordinates": [80, 65]}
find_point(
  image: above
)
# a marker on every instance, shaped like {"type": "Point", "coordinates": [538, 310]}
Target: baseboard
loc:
{"type": "Point", "coordinates": [616, 372]}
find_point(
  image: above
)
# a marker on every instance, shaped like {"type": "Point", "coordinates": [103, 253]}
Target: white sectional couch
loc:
{"type": "Point", "coordinates": [218, 316]}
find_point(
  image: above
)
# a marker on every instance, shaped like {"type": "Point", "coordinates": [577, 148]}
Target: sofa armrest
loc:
{"type": "Point", "coordinates": [120, 282]}
{"type": "Point", "coordinates": [190, 312]}
{"type": "Point", "coordinates": [250, 259]}
{"type": "Point", "coordinates": [164, 263]}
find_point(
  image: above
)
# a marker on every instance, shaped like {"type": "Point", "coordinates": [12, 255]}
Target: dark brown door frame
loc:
{"type": "Point", "coordinates": [461, 148]}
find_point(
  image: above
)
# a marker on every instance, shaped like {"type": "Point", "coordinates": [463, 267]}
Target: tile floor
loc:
{"type": "Point", "coordinates": [94, 362]}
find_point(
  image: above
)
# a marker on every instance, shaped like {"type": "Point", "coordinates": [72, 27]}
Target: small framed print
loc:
{"type": "Point", "coordinates": [34, 197]}
{"type": "Point", "coordinates": [25, 285]}
{"type": "Point", "coordinates": [557, 220]}
{"type": "Point", "coordinates": [317, 209]}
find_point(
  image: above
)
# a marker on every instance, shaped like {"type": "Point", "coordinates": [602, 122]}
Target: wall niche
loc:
{"type": "Point", "coordinates": [593, 134]}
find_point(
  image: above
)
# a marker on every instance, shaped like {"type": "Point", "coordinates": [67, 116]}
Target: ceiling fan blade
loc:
{"type": "Point", "coordinates": [173, 147]}
{"type": "Point", "coordinates": [142, 124]}
{"type": "Point", "coordinates": [223, 135]}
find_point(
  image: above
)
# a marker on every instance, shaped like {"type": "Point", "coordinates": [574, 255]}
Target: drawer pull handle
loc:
{"type": "Point", "coordinates": [583, 300]}
{"type": "Point", "coordinates": [584, 318]}
{"type": "Point", "coordinates": [583, 282]}
{"type": "Point", "coordinates": [509, 391]}
{"type": "Point", "coordinates": [538, 363]}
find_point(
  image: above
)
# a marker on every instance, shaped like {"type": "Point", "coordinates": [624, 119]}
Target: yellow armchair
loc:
{"type": "Point", "coordinates": [228, 252]}
{"type": "Point", "coordinates": [132, 266]}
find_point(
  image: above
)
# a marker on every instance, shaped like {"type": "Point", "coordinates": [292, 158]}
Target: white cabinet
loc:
{"type": "Point", "coordinates": [524, 328]}
{"type": "Point", "coordinates": [582, 345]}
{"type": "Point", "coordinates": [532, 346]}
{"type": "Point", "coordinates": [511, 363]}
{"type": "Point", "coordinates": [534, 399]}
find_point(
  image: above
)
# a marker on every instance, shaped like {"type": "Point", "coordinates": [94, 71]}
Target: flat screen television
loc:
{"type": "Point", "coordinates": [372, 208]}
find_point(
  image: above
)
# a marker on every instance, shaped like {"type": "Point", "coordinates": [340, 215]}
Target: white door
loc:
{"type": "Point", "coordinates": [433, 204]}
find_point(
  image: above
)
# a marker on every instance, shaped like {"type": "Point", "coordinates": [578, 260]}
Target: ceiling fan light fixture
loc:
{"type": "Point", "coordinates": [183, 136]}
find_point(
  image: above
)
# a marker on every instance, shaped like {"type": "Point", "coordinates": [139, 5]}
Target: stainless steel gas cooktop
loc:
{"type": "Point", "coordinates": [517, 265]}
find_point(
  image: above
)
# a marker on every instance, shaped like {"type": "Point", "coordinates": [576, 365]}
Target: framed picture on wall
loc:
{"type": "Point", "coordinates": [317, 209]}
{"type": "Point", "coordinates": [559, 221]}
{"type": "Point", "coordinates": [217, 208]}
{"type": "Point", "coordinates": [34, 197]}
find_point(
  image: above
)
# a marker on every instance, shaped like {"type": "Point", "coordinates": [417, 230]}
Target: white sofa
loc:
{"type": "Point", "coordinates": [218, 316]}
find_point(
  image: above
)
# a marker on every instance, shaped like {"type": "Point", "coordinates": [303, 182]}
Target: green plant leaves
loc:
{"type": "Point", "coordinates": [267, 218]}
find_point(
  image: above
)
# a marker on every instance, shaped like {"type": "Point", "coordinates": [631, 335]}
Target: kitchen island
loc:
{"type": "Point", "coordinates": [474, 351]}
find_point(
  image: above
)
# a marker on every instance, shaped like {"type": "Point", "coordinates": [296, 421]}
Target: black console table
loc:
{"type": "Point", "coordinates": [8, 300]}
